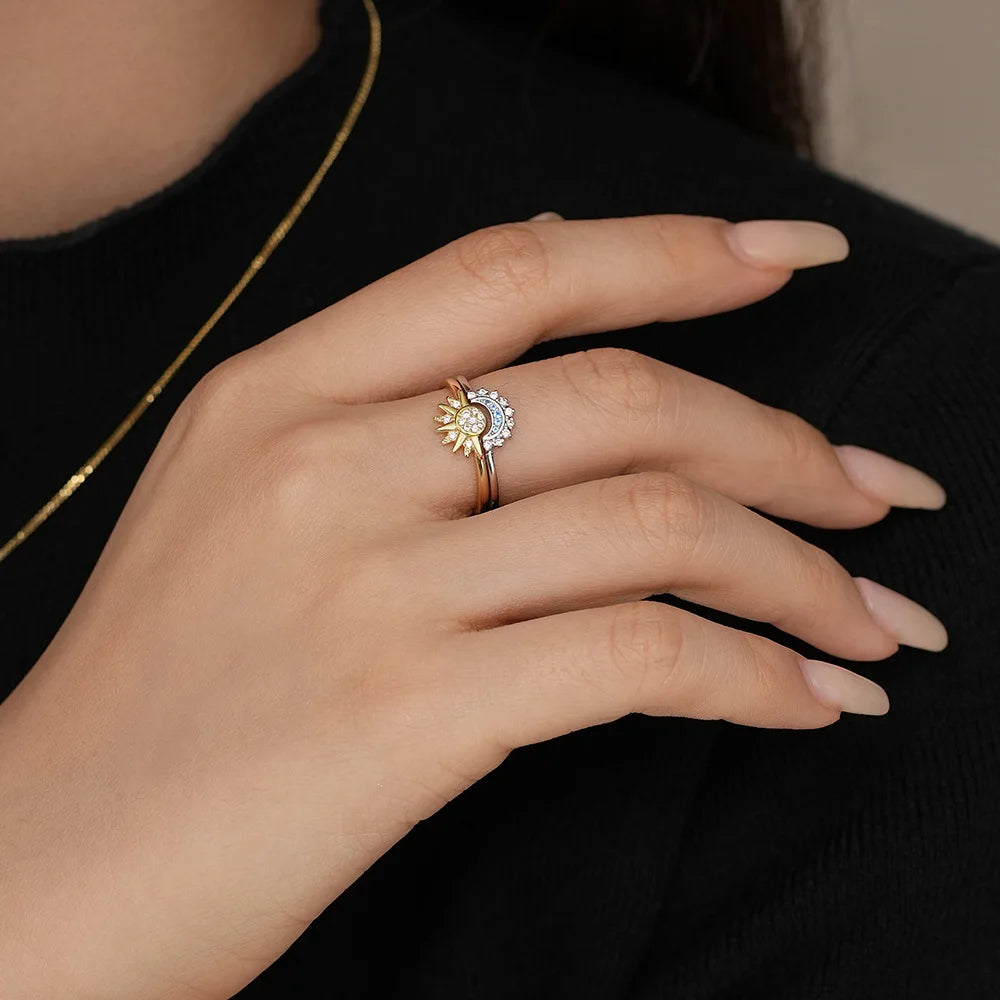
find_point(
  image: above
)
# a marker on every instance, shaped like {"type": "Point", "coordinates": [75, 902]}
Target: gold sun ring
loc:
{"type": "Point", "coordinates": [477, 421]}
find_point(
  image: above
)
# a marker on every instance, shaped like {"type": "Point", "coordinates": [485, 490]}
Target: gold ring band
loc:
{"type": "Point", "coordinates": [477, 421]}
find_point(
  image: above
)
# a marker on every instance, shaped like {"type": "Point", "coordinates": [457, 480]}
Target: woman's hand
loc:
{"type": "Point", "coordinates": [295, 645]}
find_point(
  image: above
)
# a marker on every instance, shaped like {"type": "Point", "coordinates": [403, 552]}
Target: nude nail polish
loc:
{"type": "Point", "coordinates": [889, 480]}
{"type": "Point", "coordinates": [546, 217]}
{"type": "Point", "coordinates": [909, 623]}
{"type": "Point", "coordinates": [843, 689]}
{"type": "Point", "coordinates": [782, 243]}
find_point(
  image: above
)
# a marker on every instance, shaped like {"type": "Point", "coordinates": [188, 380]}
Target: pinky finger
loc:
{"type": "Point", "coordinates": [549, 676]}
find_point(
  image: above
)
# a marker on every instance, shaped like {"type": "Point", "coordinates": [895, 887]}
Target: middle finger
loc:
{"type": "Point", "coordinates": [630, 537]}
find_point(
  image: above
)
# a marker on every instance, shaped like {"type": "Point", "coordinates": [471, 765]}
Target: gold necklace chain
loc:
{"type": "Point", "coordinates": [260, 259]}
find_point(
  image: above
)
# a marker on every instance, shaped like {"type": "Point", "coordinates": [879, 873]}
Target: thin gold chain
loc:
{"type": "Point", "coordinates": [260, 259]}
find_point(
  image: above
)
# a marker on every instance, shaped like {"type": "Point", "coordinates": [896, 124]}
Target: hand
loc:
{"type": "Point", "coordinates": [295, 646]}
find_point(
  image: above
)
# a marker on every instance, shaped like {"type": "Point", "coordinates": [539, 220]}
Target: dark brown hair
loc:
{"type": "Point", "coordinates": [756, 62]}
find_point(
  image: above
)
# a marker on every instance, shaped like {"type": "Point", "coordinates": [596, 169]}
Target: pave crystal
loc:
{"type": "Point", "coordinates": [471, 420]}
{"type": "Point", "coordinates": [478, 425]}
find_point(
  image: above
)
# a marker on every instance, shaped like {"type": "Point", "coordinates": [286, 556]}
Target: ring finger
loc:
{"type": "Point", "coordinates": [605, 412]}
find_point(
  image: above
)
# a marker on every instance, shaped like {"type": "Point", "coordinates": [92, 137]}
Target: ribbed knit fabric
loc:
{"type": "Point", "coordinates": [648, 858]}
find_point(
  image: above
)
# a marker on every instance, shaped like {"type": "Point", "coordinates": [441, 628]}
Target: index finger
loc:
{"type": "Point", "coordinates": [484, 299]}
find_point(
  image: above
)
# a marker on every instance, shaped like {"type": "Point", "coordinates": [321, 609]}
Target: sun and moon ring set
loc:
{"type": "Point", "coordinates": [477, 421]}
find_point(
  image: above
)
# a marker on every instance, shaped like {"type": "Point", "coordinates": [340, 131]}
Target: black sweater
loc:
{"type": "Point", "coordinates": [651, 857]}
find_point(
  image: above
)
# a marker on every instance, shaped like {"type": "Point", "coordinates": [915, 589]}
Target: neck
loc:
{"type": "Point", "coordinates": [107, 101]}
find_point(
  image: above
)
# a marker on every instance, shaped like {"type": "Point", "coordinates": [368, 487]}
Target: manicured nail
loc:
{"type": "Point", "coordinates": [906, 621]}
{"type": "Point", "coordinates": [784, 244]}
{"type": "Point", "coordinates": [889, 480]}
{"type": "Point", "coordinates": [546, 217]}
{"type": "Point", "coordinates": [840, 688]}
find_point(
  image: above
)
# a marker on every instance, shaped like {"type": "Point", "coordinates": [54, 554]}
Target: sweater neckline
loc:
{"type": "Point", "coordinates": [341, 25]}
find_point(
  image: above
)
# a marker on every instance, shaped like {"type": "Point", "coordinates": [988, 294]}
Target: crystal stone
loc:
{"type": "Point", "coordinates": [471, 420]}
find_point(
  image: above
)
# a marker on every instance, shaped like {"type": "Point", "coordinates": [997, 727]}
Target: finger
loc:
{"type": "Point", "coordinates": [482, 300]}
{"type": "Point", "coordinates": [535, 680]}
{"type": "Point", "coordinates": [604, 412]}
{"type": "Point", "coordinates": [633, 536]}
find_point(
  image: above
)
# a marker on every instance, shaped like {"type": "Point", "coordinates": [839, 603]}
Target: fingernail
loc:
{"type": "Point", "coordinates": [889, 480]}
{"type": "Point", "coordinates": [781, 243]}
{"type": "Point", "coordinates": [546, 217]}
{"type": "Point", "coordinates": [906, 621]}
{"type": "Point", "coordinates": [840, 688]}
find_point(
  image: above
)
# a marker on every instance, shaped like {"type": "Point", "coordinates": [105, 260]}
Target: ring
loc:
{"type": "Point", "coordinates": [477, 421]}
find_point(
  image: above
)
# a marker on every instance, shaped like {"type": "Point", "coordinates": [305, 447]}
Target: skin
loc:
{"type": "Point", "coordinates": [312, 668]}
{"type": "Point", "coordinates": [208, 753]}
{"type": "Point", "coordinates": [106, 101]}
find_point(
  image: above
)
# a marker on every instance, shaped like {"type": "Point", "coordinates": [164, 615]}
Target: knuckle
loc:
{"type": "Point", "coordinates": [645, 641]}
{"type": "Point", "coordinates": [300, 465]}
{"type": "Point", "coordinates": [620, 382]}
{"type": "Point", "coordinates": [223, 389]}
{"type": "Point", "coordinates": [801, 445]}
{"type": "Point", "coordinates": [663, 510]}
{"type": "Point", "coordinates": [674, 237]}
{"type": "Point", "coordinates": [759, 687]}
{"type": "Point", "coordinates": [505, 260]}
{"type": "Point", "coordinates": [764, 678]}
{"type": "Point", "coordinates": [820, 581]}
{"type": "Point", "coordinates": [294, 458]}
